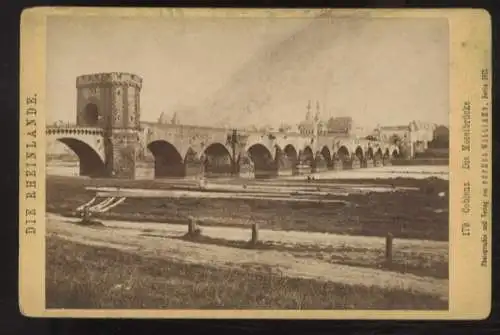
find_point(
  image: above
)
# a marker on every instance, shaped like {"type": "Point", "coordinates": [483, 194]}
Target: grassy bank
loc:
{"type": "Point", "coordinates": [414, 214]}
{"type": "Point", "coordinates": [79, 276]}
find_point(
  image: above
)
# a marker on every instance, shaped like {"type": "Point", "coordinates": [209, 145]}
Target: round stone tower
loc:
{"type": "Point", "coordinates": [111, 101]}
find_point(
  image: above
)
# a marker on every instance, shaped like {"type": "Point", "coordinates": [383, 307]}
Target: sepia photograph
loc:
{"type": "Point", "coordinates": [245, 162]}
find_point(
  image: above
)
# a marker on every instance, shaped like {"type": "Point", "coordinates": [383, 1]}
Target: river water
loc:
{"type": "Point", "coordinates": [417, 172]}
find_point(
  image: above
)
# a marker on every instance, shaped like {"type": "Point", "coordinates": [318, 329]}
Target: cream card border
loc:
{"type": "Point", "coordinates": [470, 59]}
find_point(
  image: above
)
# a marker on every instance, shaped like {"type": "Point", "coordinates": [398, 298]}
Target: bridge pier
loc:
{"type": "Point", "coordinates": [378, 160]}
{"type": "Point", "coordinates": [303, 169]}
{"type": "Point", "coordinates": [245, 166]}
{"type": "Point", "coordinates": [193, 167]}
{"type": "Point", "coordinates": [286, 165]}
{"type": "Point", "coordinates": [368, 163]}
{"type": "Point", "coordinates": [355, 163]}
{"type": "Point", "coordinates": [319, 164]}
{"type": "Point", "coordinates": [387, 161]}
{"type": "Point", "coordinates": [306, 162]}
{"type": "Point", "coordinates": [338, 165]}
{"type": "Point", "coordinates": [329, 165]}
{"type": "Point", "coordinates": [121, 154]}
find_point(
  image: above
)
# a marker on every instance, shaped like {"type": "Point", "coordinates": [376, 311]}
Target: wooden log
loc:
{"type": "Point", "coordinates": [191, 227]}
{"type": "Point", "coordinates": [388, 249]}
{"type": "Point", "coordinates": [255, 234]}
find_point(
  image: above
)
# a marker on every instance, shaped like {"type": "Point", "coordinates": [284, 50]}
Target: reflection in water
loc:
{"type": "Point", "coordinates": [58, 168]}
{"type": "Point", "coordinates": [146, 171]}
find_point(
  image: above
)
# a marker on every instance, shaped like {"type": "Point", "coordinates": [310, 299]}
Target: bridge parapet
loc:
{"type": "Point", "coordinates": [181, 129]}
{"type": "Point", "coordinates": [73, 130]}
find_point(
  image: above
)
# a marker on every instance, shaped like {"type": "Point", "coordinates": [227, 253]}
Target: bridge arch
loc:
{"type": "Point", "coordinates": [91, 163]}
{"type": "Point", "coordinates": [291, 152]}
{"type": "Point", "coordinates": [307, 155]}
{"type": "Point", "coordinates": [326, 153]}
{"type": "Point", "coordinates": [394, 152]}
{"type": "Point", "coordinates": [324, 158]}
{"type": "Point", "coordinates": [258, 141]}
{"type": "Point", "coordinates": [358, 152]}
{"type": "Point", "coordinates": [217, 160]}
{"type": "Point", "coordinates": [263, 161]}
{"type": "Point", "coordinates": [343, 153]}
{"type": "Point", "coordinates": [168, 160]}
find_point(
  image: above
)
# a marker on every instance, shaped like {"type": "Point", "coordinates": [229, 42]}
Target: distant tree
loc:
{"type": "Point", "coordinates": [395, 139]}
{"type": "Point", "coordinates": [371, 138]}
{"type": "Point", "coordinates": [404, 149]}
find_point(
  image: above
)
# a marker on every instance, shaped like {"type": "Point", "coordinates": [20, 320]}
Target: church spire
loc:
{"type": "Point", "coordinates": [316, 118]}
{"type": "Point", "coordinates": [175, 119]}
{"type": "Point", "coordinates": [308, 114]}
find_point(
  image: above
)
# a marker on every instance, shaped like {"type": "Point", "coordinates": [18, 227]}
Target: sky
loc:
{"type": "Point", "coordinates": [256, 71]}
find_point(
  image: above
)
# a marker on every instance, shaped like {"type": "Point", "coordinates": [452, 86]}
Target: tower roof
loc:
{"type": "Point", "coordinates": [114, 78]}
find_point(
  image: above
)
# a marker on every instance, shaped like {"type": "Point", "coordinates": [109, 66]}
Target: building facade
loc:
{"type": "Point", "coordinates": [414, 138]}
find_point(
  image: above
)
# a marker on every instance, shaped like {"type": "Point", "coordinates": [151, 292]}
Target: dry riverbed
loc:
{"type": "Point", "coordinates": [419, 214]}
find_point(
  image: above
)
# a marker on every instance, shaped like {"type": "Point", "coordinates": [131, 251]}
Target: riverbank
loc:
{"type": "Point", "coordinates": [140, 258]}
{"type": "Point", "coordinates": [421, 213]}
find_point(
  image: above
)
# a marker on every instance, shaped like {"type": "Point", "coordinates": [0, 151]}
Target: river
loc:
{"type": "Point", "coordinates": [417, 172]}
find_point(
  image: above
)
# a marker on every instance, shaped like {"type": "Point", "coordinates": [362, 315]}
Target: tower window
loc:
{"type": "Point", "coordinates": [91, 114]}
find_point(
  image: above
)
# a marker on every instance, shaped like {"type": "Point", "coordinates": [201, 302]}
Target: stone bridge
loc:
{"type": "Point", "coordinates": [180, 150]}
{"type": "Point", "coordinates": [109, 140]}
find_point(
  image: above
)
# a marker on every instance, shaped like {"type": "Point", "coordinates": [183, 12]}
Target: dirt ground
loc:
{"type": "Point", "coordinates": [286, 262]}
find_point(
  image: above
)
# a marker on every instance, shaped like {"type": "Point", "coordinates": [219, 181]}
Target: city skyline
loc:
{"type": "Point", "coordinates": [259, 71]}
